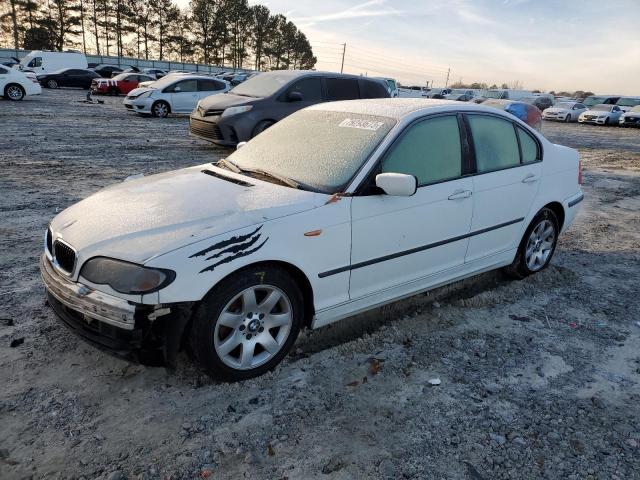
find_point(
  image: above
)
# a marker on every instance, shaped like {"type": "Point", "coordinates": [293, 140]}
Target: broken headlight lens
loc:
{"type": "Point", "coordinates": [125, 277]}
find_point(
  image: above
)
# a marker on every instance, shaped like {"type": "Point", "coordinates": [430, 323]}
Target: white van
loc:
{"type": "Point", "coordinates": [504, 94]}
{"type": "Point", "coordinates": [42, 63]}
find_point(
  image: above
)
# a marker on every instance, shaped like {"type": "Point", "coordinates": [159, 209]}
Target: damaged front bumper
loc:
{"type": "Point", "coordinates": [145, 333]}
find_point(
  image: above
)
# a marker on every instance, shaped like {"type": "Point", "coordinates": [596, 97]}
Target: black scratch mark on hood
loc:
{"type": "Point", "coordinates": [234, 257]}
{"type": "Point", "coordinates": [238, 247]}
{"type": "Point", "coordinates": [226, 243]}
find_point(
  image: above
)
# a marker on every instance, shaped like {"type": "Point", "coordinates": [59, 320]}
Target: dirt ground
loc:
{"type": "Point", "coordinates": [538, 378]}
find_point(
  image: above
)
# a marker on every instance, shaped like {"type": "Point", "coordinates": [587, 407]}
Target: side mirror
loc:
{"type": "Point", "coordinates": [294, 97]}
{"type": "Point", "coordinates": [240, 145]}
{"type": "Point", "coordinates": [397, 184]}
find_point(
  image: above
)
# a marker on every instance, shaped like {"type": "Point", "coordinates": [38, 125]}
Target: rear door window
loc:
{"type": "Point", "coordinates": [528, 146]}
{"type": "Point", "coordinates": [310, 88]}
{"type": "Point", "coordinates": [210, 85]}
{"type": "Point", "coordinates": [495, 143]}
{"type": "Point", "coordinates": [342, 89]}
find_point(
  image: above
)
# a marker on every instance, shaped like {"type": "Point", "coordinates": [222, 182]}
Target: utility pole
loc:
{"type": "Point", "coordinates": [446, 84]}
{"type": "Point", "coordinates": [344, 49]}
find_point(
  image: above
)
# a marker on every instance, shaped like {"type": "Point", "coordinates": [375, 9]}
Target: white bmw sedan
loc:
{"type": "Point", "coordinates": [337, 209]}
{"type": "Point", "coordinates": [173, 94]}
{"type": "Point", "coordinates": [564, 112]}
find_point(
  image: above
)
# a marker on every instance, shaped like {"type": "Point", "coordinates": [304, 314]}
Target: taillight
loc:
{"type": "Point", "coordinates": [579, 172]}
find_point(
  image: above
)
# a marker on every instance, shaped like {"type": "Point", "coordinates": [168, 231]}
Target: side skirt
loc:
{"type": "Point", "coordinates": [414, 287]}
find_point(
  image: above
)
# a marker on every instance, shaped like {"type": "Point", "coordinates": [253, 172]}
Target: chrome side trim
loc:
{"type": "Point", "coordinates": [82, 299]}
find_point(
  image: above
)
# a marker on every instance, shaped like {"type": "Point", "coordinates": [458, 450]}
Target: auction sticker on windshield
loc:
{"type": "Point", "coordinates": [361, 124]}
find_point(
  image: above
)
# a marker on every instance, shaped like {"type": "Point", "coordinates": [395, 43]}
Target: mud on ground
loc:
{"type": "Point", "coordinates": [539, 378]}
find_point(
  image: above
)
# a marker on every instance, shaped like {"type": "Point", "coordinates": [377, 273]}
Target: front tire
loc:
{"type": "Point", "coordinates": [246, 325]}
{"type": "Point", "coordinates": [52, 84]}
{"type": "Point", "coordinates": [537, 246]}
{"type": "Point", "coordinates": [14, 92]}
{"type": "Point", "coordinates": [160, 109]}
{"type": "Point", "coordinates": [567, 119]}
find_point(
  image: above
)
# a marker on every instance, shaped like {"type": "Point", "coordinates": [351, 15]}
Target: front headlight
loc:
{"type": "Point", "coordinates": [236, 110]}
{"type": "Point", "coordinates": [125, 277]}
{"type": "Point", "coordinates": [145, 94]}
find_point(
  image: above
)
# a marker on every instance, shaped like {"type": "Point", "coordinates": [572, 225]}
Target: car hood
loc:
{"type": "Point", "coordinates": [225, 100]}
{"type": "Point", "coordinates": [596, 112]}
{"type": "Point", "coordinates": [557, 110]}
{"type": "Point", "coordinates": [140, 219]}
{"type": "Point", "coordinates": [140, 90]}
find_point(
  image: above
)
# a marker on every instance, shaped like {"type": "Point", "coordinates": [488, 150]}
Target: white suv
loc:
{"type": "Point", "coordinates": [14, 84]}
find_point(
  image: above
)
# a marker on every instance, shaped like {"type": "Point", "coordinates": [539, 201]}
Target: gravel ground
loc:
{"type": "Point", "coordinates": [537, 378]}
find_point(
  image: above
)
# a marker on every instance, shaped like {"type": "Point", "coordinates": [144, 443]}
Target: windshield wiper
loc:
{"type": "Point", "coordinates": [229, 165]}
{"type": "Point", "coordinates": [281, 178]}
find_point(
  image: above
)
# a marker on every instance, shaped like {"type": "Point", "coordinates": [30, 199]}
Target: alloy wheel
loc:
{"type": "Point", "coordinates": [160, 110]}
{"type": "Point", "coordinates": [14, 92]}
{"type": "Point", "coordinates": [540, 245]}
{"type": "Point", "coordinates": [253, 327]}
{"type": "Point", "coordinates": [52, 84]}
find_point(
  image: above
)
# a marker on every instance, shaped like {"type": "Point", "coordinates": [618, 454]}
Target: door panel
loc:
{"type": "Point", "coordinates": [402, 239]}
{"type": "Point", "coordinates": [504, 188]}
{"type": "Point", "coordinates": [428, 222]}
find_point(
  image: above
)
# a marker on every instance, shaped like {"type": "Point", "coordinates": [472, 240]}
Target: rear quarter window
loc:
{"type": "Point", "coordinates": [342, 89]}
{"type": "Point", "coordinates": [373, 89]}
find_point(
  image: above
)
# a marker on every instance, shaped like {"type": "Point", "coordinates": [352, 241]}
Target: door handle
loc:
{"type": "Point", "coordinates": [460, 194]}
{"type": "Point", "coordinates": [530, 178]}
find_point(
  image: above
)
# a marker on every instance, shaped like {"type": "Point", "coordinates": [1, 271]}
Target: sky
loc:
{"type": "Point", "coordinates": [547, 44]}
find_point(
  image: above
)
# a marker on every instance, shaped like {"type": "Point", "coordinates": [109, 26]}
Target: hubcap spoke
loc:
{"type": "Point", "coordinates": [249, 303]}
{"type": "Point", "coordinates": [230, 343]}
{"type": "Point", "coordinates": [231, 320]}
{"type": "Point", "coordinates": [247, 354]}
{"type": "Point", "coordinates": [269, 302]}
{"type": "Point", "coordinates": [269, 343]}
{"type": "Point", "coordinates": [277, 320]}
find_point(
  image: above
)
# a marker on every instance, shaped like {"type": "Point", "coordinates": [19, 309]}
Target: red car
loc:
{"type": "Point", "coordinates": [120, 84]}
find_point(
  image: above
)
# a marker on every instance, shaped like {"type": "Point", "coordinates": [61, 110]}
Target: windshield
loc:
{"type": "Point", "coordinates": [602, 108]}
{"type": "Point", "coordinates": [591, 101]}
{"type": "Point", "coordinates": [263, 85]}
{"type": "Point", "coordinates": [494, 94]}
{"type": "Point", "coordinates": [391, 83]}
{"type": "Point", "coordinates": [323, 150]}
{"type": "Point", "coordinates": [458, 91]}
{"type": "Point", "coordinates": [120, 76]}
{"type": "Point", "coordinates": [565, 105]}
{"type": "Point", "coordinates": [628, 102]}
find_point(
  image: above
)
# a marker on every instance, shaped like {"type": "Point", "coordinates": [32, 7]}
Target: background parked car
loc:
{"type": "Point", "coordinates": [599, 100]}
{"type": "Point", "coordinates": [461, 94]}
{"type": "Point", "coordinates": [627, 103]}
{"type": "Point", "coordinates": [529, 114]}
{"type": "Point", "coordinates": [261, 101]}
{"type": "Point", "coordinates": [630, 118]}
{"type": "Point", "coordinates": [542, 101]}
{"type": "Point", "coordinates": [42, 63]}
{"type": "Point", "coordinates": [9, 62]}
{"type": "Point", "coordinates": [68, 77]}
{"type": "Point", "coordinates": [564, 111]}
{"type": "Point", "coordinates": [107, 71]}
{"type": "Point", "coordinates": [602, 114]}
{"type": "Point", "coordinates": [155, 72]}
{"type": "Point", "coordinates": [15, 85]}
{"type": "Point", "coordinates": [120, 84]}
{"type": "Point", "coordinates": [173, 94]}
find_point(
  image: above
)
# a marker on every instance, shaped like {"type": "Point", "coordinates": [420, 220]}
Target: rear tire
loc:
{"type": "Point", "coordinates": [536, 247]}
{"type": "Point", "coordinates": [261, 127]}
{"type": "Point", "coordinates": [52, 84]}
{"type": "Point", "coordinates": [160, 109]}
{"type": "Point", "coordinates": [247, 324]}
{"type": "Point", "coordinates": [14, 92]}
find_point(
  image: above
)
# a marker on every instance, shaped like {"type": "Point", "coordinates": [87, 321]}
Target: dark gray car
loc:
{"type": "Point", "coordinates": [255, 105]}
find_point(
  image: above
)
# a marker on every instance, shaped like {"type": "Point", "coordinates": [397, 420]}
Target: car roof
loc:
{"type": "Point", "coordinates": [398, 108]}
